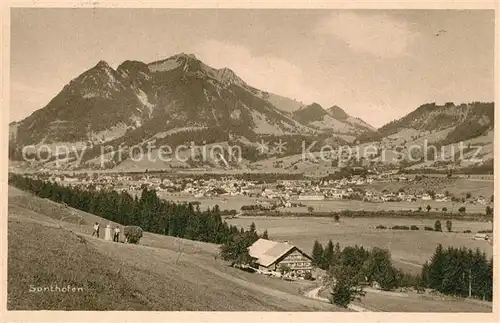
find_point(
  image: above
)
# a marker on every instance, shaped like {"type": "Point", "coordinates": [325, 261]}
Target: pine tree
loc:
{"type": "Point", "coordinates": [346, 288]}
{"type": "Point", "coordinates": [265, 235]}
{"type": "Point", "coordinates": [327, 255]}
{"type": "Point", "coordinates": [437, 268]}
{"type": "Point", "coordinates": [378, 267]}
{"type": "Point", "coordinates": [317, 254]}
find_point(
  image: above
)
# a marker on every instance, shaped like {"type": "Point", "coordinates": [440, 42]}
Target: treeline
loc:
{"type": "Point", "coordinates": [363, 266]}
{"type": "Point", "coordinates": [147, 211]}
{"type": "Point", "coordinates": [460, 272]}
{"type": "Point", "coordinates": [455, 271]}
{"type": "Point", "coordinates": [417, 214]}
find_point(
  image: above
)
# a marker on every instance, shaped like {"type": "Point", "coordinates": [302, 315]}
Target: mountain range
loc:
{"type": "Point", "coordinates": [181, 99]}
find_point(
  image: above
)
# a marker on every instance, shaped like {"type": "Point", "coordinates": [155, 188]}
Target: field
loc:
{"type": "Point", "coordinates": [338, 205]}
{"type": "Point", "coordinates": [409, 249]}
{"type": "Point", "coordinates": [49, 244]}
{"type": "Point", "coordinates": [380, 301]}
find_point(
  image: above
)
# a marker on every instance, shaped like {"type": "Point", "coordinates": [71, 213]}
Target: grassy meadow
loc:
{"type": "Point", "coordinates": [409, 249]}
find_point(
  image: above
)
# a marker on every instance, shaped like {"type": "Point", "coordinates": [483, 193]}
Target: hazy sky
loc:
{"type": "Point", "coordinates": [378, 65]}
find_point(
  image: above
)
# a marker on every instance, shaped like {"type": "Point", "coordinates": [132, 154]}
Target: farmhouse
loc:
{"type": "Point", "coordinates": [271, 255]}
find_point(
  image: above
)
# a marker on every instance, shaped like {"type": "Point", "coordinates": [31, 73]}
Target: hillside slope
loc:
{"type": "Point", "coordinates": [333, 120]}
{"type": "Point", "coordinates": [162, 273]}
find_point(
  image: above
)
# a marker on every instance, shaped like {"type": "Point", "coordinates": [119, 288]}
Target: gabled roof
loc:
{"type": "Point", "coordinates": [268, 252]}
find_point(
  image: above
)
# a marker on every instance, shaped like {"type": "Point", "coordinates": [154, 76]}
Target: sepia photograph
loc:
{"type": "Point", "coordinates": [250, 160]}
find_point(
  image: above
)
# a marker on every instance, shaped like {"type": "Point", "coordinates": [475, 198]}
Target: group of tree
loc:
{"type": "Point", "coordinates": [459, 272]}
{"type": "Point", "coordinates": [235, 249]}
{"type": "Point", "coordinates": [437, 226]}
{"type": "Point", "coordinates": [148, 211]}
{"type": "Point", "coordinates": [352, 267]}
{"type": "Point", "coordinates": [448, 271]}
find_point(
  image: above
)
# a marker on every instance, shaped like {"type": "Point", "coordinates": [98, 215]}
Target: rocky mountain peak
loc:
{"type": "Point", "coordinates": [338, 113]}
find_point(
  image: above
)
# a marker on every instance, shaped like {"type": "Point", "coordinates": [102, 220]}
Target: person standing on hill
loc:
{"type": "Point", "coordinates": [96, 230]}
{"type": "Point", "coordinates": [116, 236]}
{"type": "Point", "coordinates": [107, 233]}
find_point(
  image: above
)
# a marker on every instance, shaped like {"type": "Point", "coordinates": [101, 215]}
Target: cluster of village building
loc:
{"type": "Point", "coordinates": [282, 193]}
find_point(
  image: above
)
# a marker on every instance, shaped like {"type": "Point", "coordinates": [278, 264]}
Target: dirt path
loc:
{"type": "Point", "coordinates": [314, 294]}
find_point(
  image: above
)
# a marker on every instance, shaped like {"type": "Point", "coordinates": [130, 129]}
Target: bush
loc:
{"type": "Point", "coordinates": [485, 231]}
{"type": "Point", "coordinates": [437, 226]}
{"type": "Point", "coordinates": [467, 231]}
{"type": "Point", "coordinates": [308, 276]}
{"type": "Point", "coordinates": [132, 233]}
{"type": "Point", "coordinates": [461, 209]}
{"type": "Point", "coordinates": [414, 227]}
{"type": "Point", "coordinates": [381, 227]}
{"type": "Point", "coordinates": [428, 228]}
{"type": "Point", "coordinates": [448, 225]}
{"type": "Point", "coordinates": [400, 227]}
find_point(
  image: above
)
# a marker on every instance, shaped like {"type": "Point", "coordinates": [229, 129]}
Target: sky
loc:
{"type": "Point", "coordinates": [378, 65]}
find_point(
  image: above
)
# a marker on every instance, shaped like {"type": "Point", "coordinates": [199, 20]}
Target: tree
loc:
{"type": "Point", "coordinates": [310, 209]}
{"type": "Point", "coordinates": [461, 209]}
{"type": "Point", "coordinates": [327, 255]}
{"type": "Point", "coordinates": [419, 209]}
{"type": "Point", "coordinates": [317, 254]}
{"type": "Point", "coordinates": [336, 217]}
{"type": "Point", "coordinates": [468, 195]}
{"type": "Point", "coordinates": [252, 227]}
{"type": "Point", "coordinates": [346, 288]}
{"type": "Point", "coordinates": [378, 267]}
{"type": "Point", "coordinates": [448, 225]}
{"type": "Point", "coordinates": [437, 226]}
{"type": "Point", "coordinates": [428, 207]}
{"type": "Point", "coordinates": [444, 209]}
{"type": "Point", "coordinates": [435, 270]}
{"type": "Point", "coordinates": [236, 249]}
{"type": "Point", "coordinates": [489, 210]}
{"type": "Point", "coordinates": [265, 235]}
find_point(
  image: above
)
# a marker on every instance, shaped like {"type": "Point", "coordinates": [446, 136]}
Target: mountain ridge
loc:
{"type": "Point", "coordinates": [181, 99]}
{"type": "Point", "coordinates": [179, 88]}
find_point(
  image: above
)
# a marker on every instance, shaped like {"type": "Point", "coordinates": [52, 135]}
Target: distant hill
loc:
{"type": "Point", "coordinates": [334, 120]}
{"type": "Point", "coordinates": [465, 129]}
{"type": "Point", "coordinates": [432, 117]}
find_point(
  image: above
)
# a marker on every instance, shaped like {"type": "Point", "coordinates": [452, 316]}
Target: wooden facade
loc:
{"type": "Point", "coordinates": [295, 259]}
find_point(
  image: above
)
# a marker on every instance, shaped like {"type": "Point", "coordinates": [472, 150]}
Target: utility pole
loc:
{"type": "Point", "coordinates": [470, 282]}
